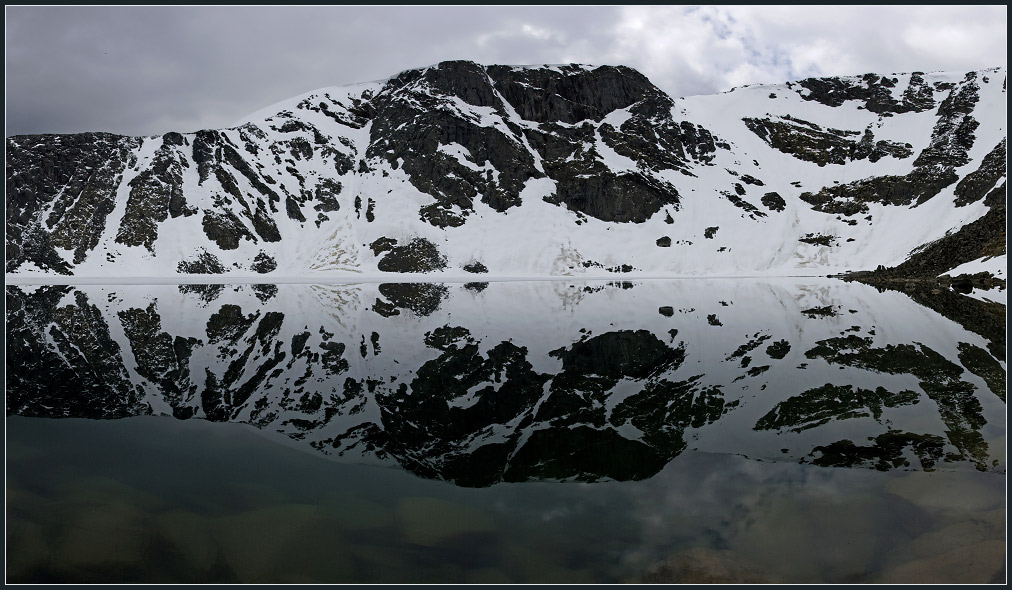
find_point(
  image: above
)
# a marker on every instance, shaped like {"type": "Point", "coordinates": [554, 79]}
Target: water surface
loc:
{"type": "Point", "coordinates": [700, 430]}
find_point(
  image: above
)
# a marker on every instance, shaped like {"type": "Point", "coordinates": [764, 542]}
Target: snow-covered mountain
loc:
{"type": "Point", "coordinates": [530, 380]}
{"type": "Point", "coordinates": [461, 168]}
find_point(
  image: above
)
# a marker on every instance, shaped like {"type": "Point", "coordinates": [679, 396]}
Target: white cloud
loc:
{"type": "Point", "coordinates": [536, 32]}
{"type": "Point", "coordinates": [710, 49]}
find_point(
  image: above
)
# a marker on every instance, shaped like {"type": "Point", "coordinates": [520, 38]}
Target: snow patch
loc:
{"type": "Point", "coordinates": [996, 265]}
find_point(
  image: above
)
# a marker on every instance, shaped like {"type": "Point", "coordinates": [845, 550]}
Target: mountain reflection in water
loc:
{"type": "Point", "coordinates": [792, 431]}
{"type": "Point", "coordinates": [483, 383]}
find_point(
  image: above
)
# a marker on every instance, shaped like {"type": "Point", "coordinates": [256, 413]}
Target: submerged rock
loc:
{"type": "Point", "coordinates": [105, 542]}
{"type": "Point", "coordinates": [282, 543]}
{"type": "Point", "coordinates": [702, 565]}
{"type": "Point", "coordinates": [945, 491]}
{"type": "Point", "coordinates": [430, 521]}
{"type": "Point", "coordinates": [981, 563]}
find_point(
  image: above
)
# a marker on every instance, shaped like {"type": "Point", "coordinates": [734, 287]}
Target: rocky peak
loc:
{"type": "Point", "coordinates": [508, 119]}
{"type": "Point", "coordinates": [570, 93]}
{"type": "Point", "coordinates": [451, 104]}
{"type": "Point", "coordinates": [466, 80]}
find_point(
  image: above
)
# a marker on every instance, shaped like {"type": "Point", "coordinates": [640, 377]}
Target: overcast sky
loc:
{"type": "Point", "coordinates": [148, 70]}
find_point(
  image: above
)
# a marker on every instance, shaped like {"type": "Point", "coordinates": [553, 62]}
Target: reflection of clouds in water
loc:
{"type": "Point", "coordinates": [808, 523]}
{"type": "Point", "coordinates": [752, 507]}
{"type": "Point", "coordinates": [555, 514]}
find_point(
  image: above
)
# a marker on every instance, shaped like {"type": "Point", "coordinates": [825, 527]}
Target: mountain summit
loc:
{"type": "Point", "coordinates": [462, 168]}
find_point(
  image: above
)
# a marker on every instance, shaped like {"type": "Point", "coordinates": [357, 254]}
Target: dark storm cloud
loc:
{"type": "Point", "coordinates": [148, 70]}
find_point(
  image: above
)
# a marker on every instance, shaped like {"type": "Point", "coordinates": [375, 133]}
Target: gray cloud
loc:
{"type": "Point", "coordinates": [147, 70]}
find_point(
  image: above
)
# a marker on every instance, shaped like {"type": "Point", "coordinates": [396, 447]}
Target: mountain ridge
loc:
{"type": "Point", "coordinates": [524, 171]}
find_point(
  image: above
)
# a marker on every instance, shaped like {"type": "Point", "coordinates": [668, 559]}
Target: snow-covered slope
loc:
{"type": "Point", "coordinates": [524, 171]}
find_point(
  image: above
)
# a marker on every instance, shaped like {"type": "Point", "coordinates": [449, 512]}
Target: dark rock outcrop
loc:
{"type": "Point", "coordinates": [810, 142]}
{"type": "Point", "coordinates": [872, 90]}
{"type": "Point", "coordinates": [475, 108]}
{"type": "Point", "coordinates": [977, 184]}
{"type": "Point", "coordinates": [205, 263]}
{"type": "Point", "coordinates": [420, 110]}
{"type": "Point", "coordinates": [418, 255]}
{"type": "Point", "coordinates": [774, 202]}
{"type": "Point", "coordinates": [155, 194]}
{"type": "Point", "coordinates": [934, 168]}
{"type": "Point", "coordinates": [75, 177]}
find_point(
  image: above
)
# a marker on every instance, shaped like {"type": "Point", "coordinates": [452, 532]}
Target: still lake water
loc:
{"type": "Point", "coordinates": [793, 430]}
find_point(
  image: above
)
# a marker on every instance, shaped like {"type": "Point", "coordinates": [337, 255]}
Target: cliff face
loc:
{"type": "Point", "coordinates": [526, 170]}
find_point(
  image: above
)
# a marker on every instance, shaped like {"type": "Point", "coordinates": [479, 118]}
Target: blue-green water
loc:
{"type": "Point", "coordinates": [159, 500]}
